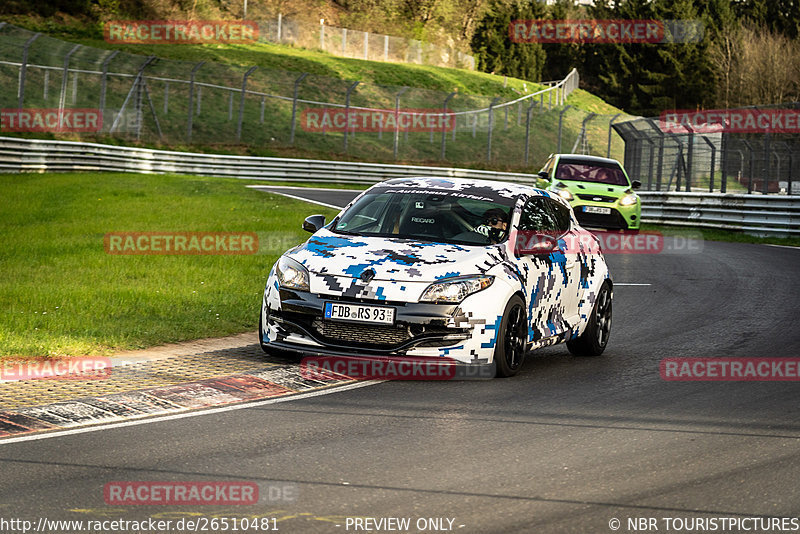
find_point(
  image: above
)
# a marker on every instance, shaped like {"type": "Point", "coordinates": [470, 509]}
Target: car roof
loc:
{"type": "Point", "coordinates": [587, 158]}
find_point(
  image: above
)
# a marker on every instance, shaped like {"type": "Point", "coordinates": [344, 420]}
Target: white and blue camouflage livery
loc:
{"type": "Point", "coordinates": [494, 300]}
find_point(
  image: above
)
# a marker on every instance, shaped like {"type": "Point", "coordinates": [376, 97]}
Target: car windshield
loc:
{"type": "Point", "coordinates": [428, 215]}
{"type": "Point", "coordinates": [583, 171]}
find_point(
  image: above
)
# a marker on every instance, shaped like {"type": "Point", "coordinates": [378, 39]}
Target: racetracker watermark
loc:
{"type": "Point", "coordinates": [607, 242]}
{"type": "Point", "coordinates": [51, 120]}
{"type": "Point", "coordinates": [88, 368]}
{"type": "Point", "coordinates": [180, 493]}
{"type": "Point", "coordinates": [180, 31]}
{"type": "Point", "coordinates": [405, 368]}
{"type": "Point", "coordinates": [377, 120]}
{"type": "Point", "coordinates": [180, 243]}
{"type": "Point", "coordinates": [731, 369]}
{"type": "Point", "coordinates": [606, 31]}
{"type": "Point", "coordinates": [731, 120]}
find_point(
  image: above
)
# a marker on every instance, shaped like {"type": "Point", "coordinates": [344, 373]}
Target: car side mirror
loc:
{"type": "Point", "coordinates": [529, 244]}
{"type": "Point", "coordinates": [636, 184]}
{"type": "Point", "coordinates": [544, 175]}
{"type": "Point", "coordinates": [313, 223]}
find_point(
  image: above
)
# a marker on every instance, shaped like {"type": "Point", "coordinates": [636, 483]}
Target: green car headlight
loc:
{"type": "Point", "coordinates": [563, 192]}
{"type": "Point", "coordinates": [292, 274]}
{"type": "Point", "coordinates": [628, 200]}
{"type": "Point", "coordinates": [455, 289]}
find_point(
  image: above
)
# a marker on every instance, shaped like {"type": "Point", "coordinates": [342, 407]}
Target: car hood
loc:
{"type": "Point", "coordinates": [400, 260]}
{"type": "Point", "coordinates": [589, 188]}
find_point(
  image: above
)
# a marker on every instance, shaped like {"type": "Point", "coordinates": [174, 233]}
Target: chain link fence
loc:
{"type": "Point", "coordinates": [712, 161]}
{"type": "Point", "coordinates": [361, 45]}
{"type": "Point", "coordinates": [150, 100]}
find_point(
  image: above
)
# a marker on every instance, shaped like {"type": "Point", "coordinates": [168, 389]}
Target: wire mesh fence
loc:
{"type": "Point", "coordinates": [713, 159]}
{"type": "Point", "coordinates": [150, 100]}
{"type": "Point", "coordinates": [361, 45]}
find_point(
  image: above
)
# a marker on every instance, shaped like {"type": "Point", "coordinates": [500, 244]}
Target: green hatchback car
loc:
{"type": "Point", "coordinates": [599, 190]}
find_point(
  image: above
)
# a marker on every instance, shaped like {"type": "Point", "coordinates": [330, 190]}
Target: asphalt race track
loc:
{"type": "Point", "coordinates": [566, 446]}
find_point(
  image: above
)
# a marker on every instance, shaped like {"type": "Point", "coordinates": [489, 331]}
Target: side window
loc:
{"type": "Point", "coordinates": [536, 217]}
{"type": "Point", "coordinates": [560, 214]}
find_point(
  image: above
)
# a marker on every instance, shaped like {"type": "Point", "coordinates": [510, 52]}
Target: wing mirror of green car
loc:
{"type": "Point", "coordinates": [636, 184]}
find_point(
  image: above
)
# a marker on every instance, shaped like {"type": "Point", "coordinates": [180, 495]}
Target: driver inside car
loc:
{"type": "Point", "coordinates": [494, 225]}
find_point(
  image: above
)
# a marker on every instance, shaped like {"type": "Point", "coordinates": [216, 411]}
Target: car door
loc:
{"type": "Point", "coordinates": [544, 275]}
{"type": "Point", "coordinates": [569, 242]}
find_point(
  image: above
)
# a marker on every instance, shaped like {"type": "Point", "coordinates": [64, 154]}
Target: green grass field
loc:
{"type": "Point", "coordinates": [62, 294]}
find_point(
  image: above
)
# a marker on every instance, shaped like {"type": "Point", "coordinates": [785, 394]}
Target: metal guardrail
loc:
{"type": "Point", "coordinates": [753, 214]}
{"type": "Point", "coordinates": [758, 214]}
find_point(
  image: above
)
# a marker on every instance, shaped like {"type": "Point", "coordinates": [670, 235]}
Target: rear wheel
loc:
{"type": "Point", "coordinates": [509, 351]}
{"type": "Point", "coordinates": [594, 339]}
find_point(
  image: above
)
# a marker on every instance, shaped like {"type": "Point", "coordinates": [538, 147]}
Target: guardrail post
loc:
{"type": "Point", "coordinates": [62, 99]}
{"type": "Point", "coordinates": [610, 123]}
{"type": "Point", "coordinates": [491, 128]}
{"type": "Point", "coordinates": [241, 103]}
{"type": "Point", "coordinates": [347, 112]}
{"type": "Point", "coordinates": [397, 119]}
{"type": "Point", "coordinates": [24, 68]}
{"type": "Point", "coordinates": [446, 118]}
{"type": "Point", "coordinates": [191, 99]}
{"type": "Point", "coordinates": [560, 124]}
{"type": "Point", "coordinates": [294, 104]}
{"type": "Point", "coordinates": [528, 129]}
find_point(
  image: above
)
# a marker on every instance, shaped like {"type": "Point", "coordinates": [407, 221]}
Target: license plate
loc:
{"type": "Point", "coordinates": [339, 311]}
{"type": "Point", "coordinates": [597, 209]}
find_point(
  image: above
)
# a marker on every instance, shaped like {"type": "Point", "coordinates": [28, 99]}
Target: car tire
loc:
{"type": "Point", "coordinates": [509, 350]}
{"type": "Point", "coordinates": [594, 339]}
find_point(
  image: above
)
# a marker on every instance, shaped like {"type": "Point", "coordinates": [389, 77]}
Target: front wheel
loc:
{"type": "Point", "coordinates": [594, 339]}
{"type": "Point", "coordinates": [509, 351]}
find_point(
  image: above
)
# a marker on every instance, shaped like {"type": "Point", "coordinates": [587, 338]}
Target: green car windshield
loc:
{"type": "Point", "coordinates": [584, 171]}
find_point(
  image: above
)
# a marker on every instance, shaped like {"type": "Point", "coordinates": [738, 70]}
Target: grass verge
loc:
{"type": "Point", "coordinates": [62, 294]}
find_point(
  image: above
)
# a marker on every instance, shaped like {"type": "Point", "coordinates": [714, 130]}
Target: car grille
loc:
{"type": "Point", "coordinates": [614, 220]}
{"type": "Point", "coordinates": [364, 334]}
{"type": "Point", "coordinates": [599, 198]}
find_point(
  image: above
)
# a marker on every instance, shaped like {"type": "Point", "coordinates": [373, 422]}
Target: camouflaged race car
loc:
{"type": "Point", "coordinates": [479, 272]}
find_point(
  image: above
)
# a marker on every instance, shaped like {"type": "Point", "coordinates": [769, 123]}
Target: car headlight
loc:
{"type": "Point", "coordinates": [455, 289]}
{"type": "Point", "coordinates": [562, 191]}
{"type": "Point", "coordinates": [628, 200]}
{"type": "Point", "coordinates": [291, 274]}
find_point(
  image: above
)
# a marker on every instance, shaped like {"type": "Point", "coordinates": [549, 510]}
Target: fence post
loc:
{"type": "Point", "coordinates": [166, 97]}
{"type": "Point", "coordinates": [294, 104]}
{"type": "Point", "coordinates": [104, 79]}
{"type": "Point", "coordinates": [723, 186]}
{"type": "Point", "coordinates": [560, 124]}
{"type": "Point", "coordinates": [750, 156]}
{"type": "Point", "coordinates": [191, 103]}
{"type": "Point", "coordinates": [322, 34]}
{"type": "Point", "coordinates": [46, 84]}
{"type": "Point", "coordinates": [446, 118]}
{"type": "Point", "coordinates": [386, 48]}
{"type": "Point", "coordinates": [366, 45]}
{"type": "Point", "coordinates": [765, 190]}
{"type": "Point", "coordinates": [491, 128]}
{"type": "Point", "coordinates": [23, 70]}
{"type": "Point", "coordinates": [344, 40]}
{"type": "Point", "coordinates": [62, 100]}
{"type": "Point", "coordinates": [610, 123]}
{"type": "Point", "coordinates": [280, 26]}
{"type": "Point", "coordinates": [241, 103]}
{"type": "Point", "coordinates": [347, 113]}
{"type": "Point", "coordinates": [528, 128]}
{"type": "Point", "coordinates": [582, 134]}
{"type": "Point", "coordinates": [397, 119]}
{"type": "Point", "coordinates": [713, 162]}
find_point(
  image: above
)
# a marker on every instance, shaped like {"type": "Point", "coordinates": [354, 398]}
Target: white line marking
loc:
{"type": "Point", "coordinates": [624, 284]}
{"type": "Point", "coordinates": [780, 246]}
{"type": "Point", "coordinates": [306, 199]}
{"type": "Point", "coordinates": [302, 188]}
{"type": "Point", "coordinates": [221, 409]}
